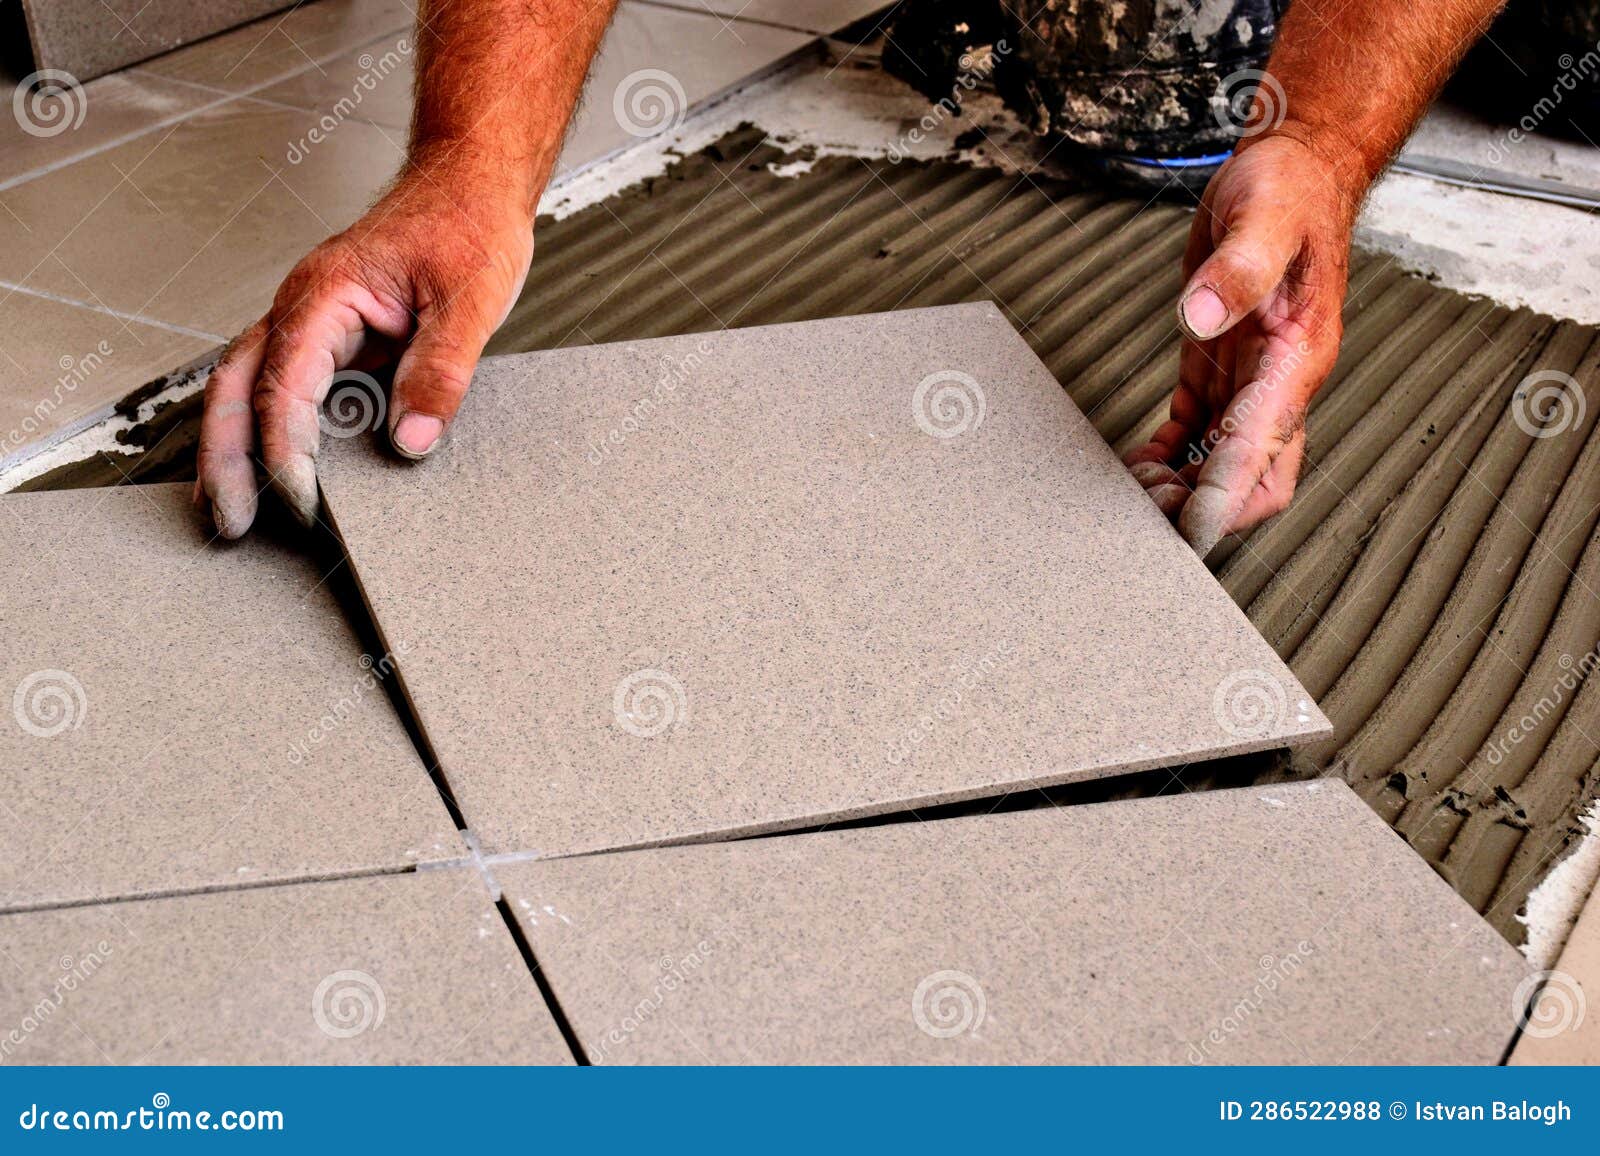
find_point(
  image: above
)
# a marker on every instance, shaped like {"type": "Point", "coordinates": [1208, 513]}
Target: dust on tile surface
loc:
{"type": "Point", "coordinates": [401, 969]}
{"type": "Point", "coordinates": [182, 715]}
{"type": "Point", "coordinates": [746, 580]}
{"type": "Point", "coordinates": [1124, 933]}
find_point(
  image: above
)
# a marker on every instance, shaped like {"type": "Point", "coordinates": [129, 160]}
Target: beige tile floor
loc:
{"type": "Point", "coordinates": [157, 208]}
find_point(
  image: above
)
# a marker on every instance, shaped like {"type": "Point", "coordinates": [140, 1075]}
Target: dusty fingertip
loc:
{"type": "Point", "coordinates": [1149, 474]}
{"type": "Point", "coordinates": [416, 434]}
{"type": "Point", "coordinates": [1169, 498]}
{"type": "Point", "coordinates": [1203, 519]}
{"type": "Point", "coordinates": [296, 483]}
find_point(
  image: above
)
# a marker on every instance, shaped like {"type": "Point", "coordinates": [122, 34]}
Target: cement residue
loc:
{"type": "Point", "coordinates": [1553, 907]}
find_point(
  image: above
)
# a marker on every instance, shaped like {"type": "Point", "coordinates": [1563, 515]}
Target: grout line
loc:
{"type": "Point", "coordinates": [107, 311]}
{"type": "Point", "coordinates": [757, 21]}
{"type": "Point", "coordinates": [225, 888]}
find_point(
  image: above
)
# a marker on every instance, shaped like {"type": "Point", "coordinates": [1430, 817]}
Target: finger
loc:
{"type": "Point", "coordinates": [318, 335]}
{"type": "Point", "coordinates": [1246, 265]}
{"type": "Point", "coordinates": [433, 376]}
{"type": "Point", "coordinates": [1259, 424]}
{"type": "Point", "coordinates": [225, 466]}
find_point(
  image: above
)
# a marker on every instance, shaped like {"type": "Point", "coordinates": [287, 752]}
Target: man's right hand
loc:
{"type": "Point", "coordinates": [420, 282]}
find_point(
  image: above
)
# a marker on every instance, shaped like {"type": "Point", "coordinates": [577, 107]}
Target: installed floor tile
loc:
{"type": "Point", "coordinates": [821, 16]}
{"type": "Point", "coordinates": [61, 365]}
{"type": "Point", "coordinates": [752, 579]}
{"type": "Point", "coordinates": [90, 37]}
{"type": "Point", "coordinates": [194, 225]}
{"type": "Point", "coordinates": [181, 715]}
{"type": "Point", "coordinates": [653, 65]}
{"type": "Point", "coordinates": [370, 82]}
{"type": "Point", "coordinates": [284, 43]}
{"type": "Point", "coordinates": [1564, 1023]}
{"type": "Point", "coordinates": [1233, 927]}
{"type": "Point", "coordinates": [59, 124]}
{"type": "Point", "coordinates": [390, 970]}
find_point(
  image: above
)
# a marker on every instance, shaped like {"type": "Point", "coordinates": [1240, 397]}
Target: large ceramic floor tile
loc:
{"type": "Point", "coordinates": [653, 65]}
{"type": "Point", "coordinates": [91, 37]}
{"type": "Point", "coordinates": [59, 123]}
{"type": "Point", "coordinates": [370, 82]}
{"type": "Point", "coordinates": [739, 581]}
{"type": "Point", "coordinates": [1563, 1023]}
{"type": "Point", "coordinates": [1260, 926]}
{"type": "Point", "coordinates": [283, 43]}
{"type": "Point", "coordinates": [389, 970]}
{"type": "Point", "coordinates": [196, 224]}
{"type": "Point", "coordinates": [820, 16]}
{"type": "Point", "coordinates": [61, 366]}
{"type": "Point", "coordinates": [182, 715]}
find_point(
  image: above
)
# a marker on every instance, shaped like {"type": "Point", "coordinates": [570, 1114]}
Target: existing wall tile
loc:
{"type": "Point", "coordinates": [400, 969]}
{"type": "Point", "coordinates": [653, 65]}
{"type": "Point", "coordinates": [91, 37]}
{"type": "Point", "coordinates": [1564, 1024]}
{"type": "Point", "coordinates": [178, 713]}
{"type": "Point", "coordinates": [280, 45]}
{"type": "Point", "coordinates": [61, 366]}
{"type": "Point", "coordinates": [194, 225]}
{"type": "Point", "coordinates": [1260, 926]}
{"type": "Point", "coordinates": [738, 581]}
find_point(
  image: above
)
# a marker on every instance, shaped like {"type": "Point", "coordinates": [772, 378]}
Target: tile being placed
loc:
{"type": "Point", "coordinates": [400, 969]}
{"type": "Point", "coordinates": [653, 65]}
{"type": "Point", "coordinates": [91, 37]}
{"type": "Point", "coordinates": [62, 366]}
{"type": "Point", "coordinates": [195, 225]}
{"type": "Point", "coordinates": [1563, 1021]}
{"type": "Point", "coordinates": [181, 715]}
{"type": "Point", "coordinates": [734, 582]}
{"type": "Point", "coordinates": [1262, 926]}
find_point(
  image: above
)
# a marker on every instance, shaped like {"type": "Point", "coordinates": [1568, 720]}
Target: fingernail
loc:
{"type": "Point", "coordinates": [415, 434]}
{"type": "Point", "coordinates": [1204, 314]}
{"type": "Point", "coordinates": [296, 483]}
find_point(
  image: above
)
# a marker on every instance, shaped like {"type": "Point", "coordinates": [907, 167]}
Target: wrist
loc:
{"type": "Point", "coordinates": [1328, 154]}
{"type": "Point", "coordinates": [505, 181]}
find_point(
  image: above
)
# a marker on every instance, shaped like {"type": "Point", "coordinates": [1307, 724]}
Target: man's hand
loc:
{"type": "Point", "coordinates": [1260, 311]}
{"type": "Point", "coordinates": [1265, 269]}
{"type": "Point", "coordinates": [424, 278]}
{"type": "Point", "coordinates": [420, 282]}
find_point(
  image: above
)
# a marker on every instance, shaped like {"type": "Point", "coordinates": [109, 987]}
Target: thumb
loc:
{"type": "Point", "coordinates": [1246, 266]}
{"type": "Point", "coordinates": [432, 379]}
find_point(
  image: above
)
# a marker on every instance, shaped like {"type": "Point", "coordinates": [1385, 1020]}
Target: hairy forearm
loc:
{"type": "Point", "coordinates": [1357, 75]}
{"type": "Point", "coordinates": [497, 81]}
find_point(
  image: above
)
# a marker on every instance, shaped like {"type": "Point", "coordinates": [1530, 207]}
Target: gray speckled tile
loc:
{"type": "Point", "coordinates": [178, 714]}
{"type": "Point", "coordinates": [400, 969]}
{"type": "Point", "coordinates": [733, 582]}
{"type": "Point", "coordinates": [1259, 926]}
{"type": "Point", "coordinates": [91, 37]}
